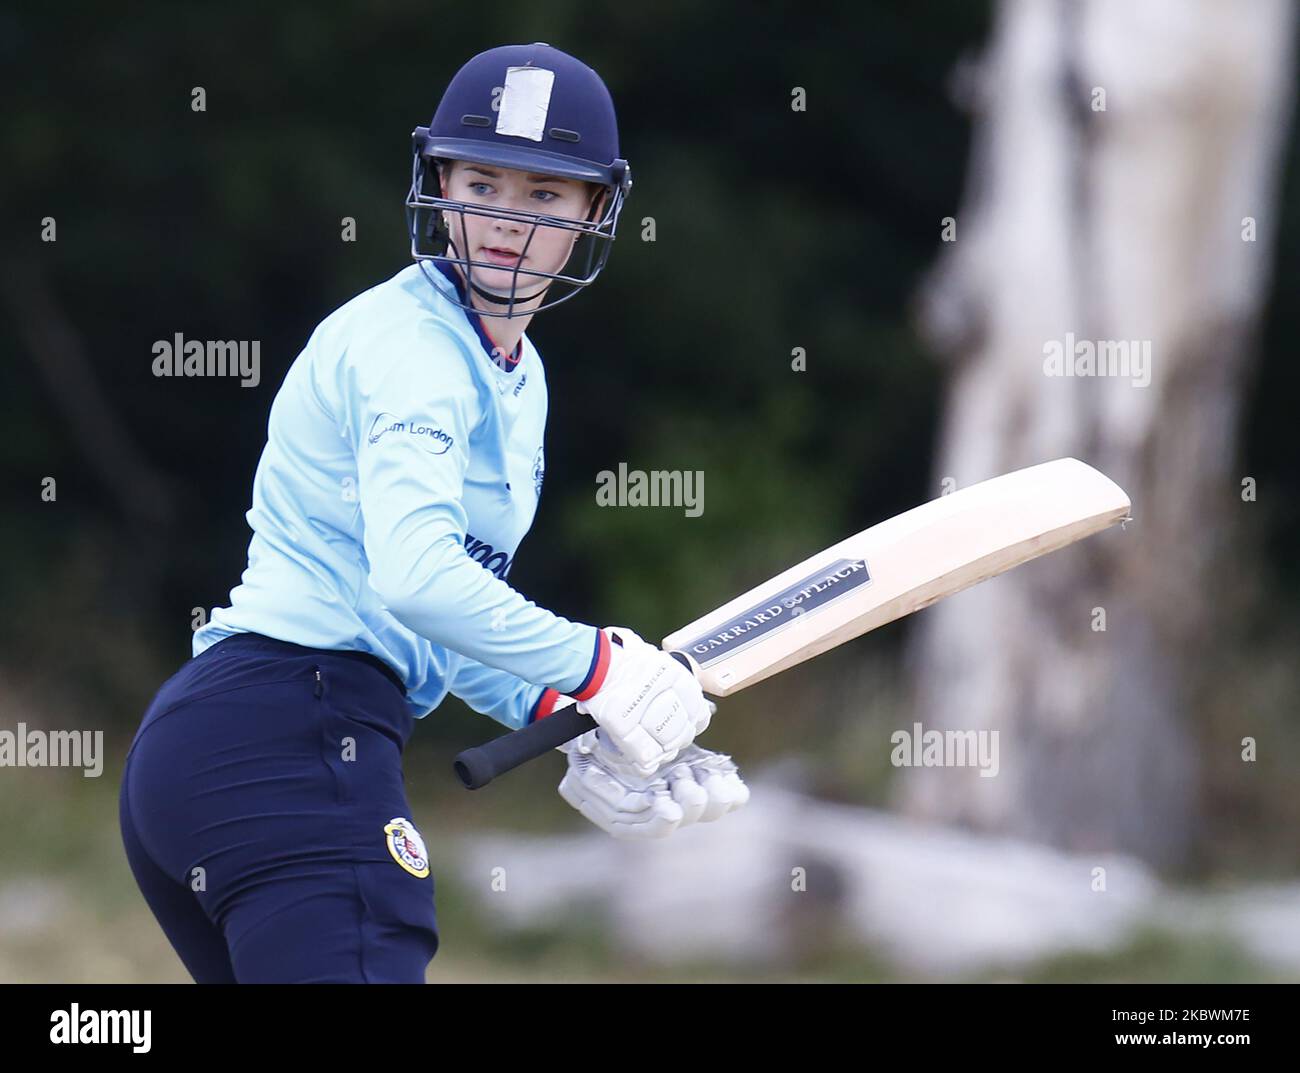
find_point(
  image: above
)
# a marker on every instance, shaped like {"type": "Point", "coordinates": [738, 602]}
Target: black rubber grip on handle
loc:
{"type": "Point", "coordinates": [478, 766]}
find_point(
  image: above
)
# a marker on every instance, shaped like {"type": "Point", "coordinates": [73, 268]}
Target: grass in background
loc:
{"type": "Point", "coordinates": [70, 910]}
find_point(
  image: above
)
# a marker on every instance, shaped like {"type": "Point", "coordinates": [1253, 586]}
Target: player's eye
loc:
{"type": "Point", "coordinates": [474, 189]}
{"type": "Point", "coordinates": [550, 195]}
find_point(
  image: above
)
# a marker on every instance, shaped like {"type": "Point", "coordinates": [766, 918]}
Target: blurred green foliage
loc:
{"type": "Point", "coordinates": [775, 229]}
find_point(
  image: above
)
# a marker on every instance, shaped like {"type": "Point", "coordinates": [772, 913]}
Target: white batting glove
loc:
{"type": "Point", "coordinates": [698, 786]}
{"type": "Point", "coordinates": [650, 706]}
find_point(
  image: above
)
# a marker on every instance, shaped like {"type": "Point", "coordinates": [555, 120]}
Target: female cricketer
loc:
{"type": "Point", "coordinates": [262, 808]}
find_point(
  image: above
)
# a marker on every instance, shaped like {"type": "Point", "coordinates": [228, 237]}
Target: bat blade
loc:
{"type": "Point", "coordinates": [895, 568]}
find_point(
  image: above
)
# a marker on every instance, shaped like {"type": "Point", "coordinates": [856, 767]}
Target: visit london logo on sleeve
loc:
{"type": "Point", "coordinates": [389, 427]}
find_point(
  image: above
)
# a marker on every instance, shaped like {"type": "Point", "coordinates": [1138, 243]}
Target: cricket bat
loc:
{"type": "Point", "coordinates": [882, 573]}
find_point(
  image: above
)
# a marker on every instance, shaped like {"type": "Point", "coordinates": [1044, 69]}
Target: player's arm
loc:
{"type": "Point", "coordinates": [505, 697]}
{"type": "Point", "coordinates": [414, 408]}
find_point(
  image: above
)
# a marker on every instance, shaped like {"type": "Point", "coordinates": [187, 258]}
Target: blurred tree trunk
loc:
{"type": "Point", "coordinates": [1117, 224]}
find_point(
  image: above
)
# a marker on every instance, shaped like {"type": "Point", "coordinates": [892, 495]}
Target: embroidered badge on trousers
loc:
{"type": "Point", "coordinates": [406, 846]}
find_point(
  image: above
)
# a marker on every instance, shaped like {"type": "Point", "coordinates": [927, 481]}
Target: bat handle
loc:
{"type": "Point", "coordinates": [478, 766]}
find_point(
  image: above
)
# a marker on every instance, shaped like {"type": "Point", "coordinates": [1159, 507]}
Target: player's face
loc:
{"type": "Point", "coordinates": [500, 241]}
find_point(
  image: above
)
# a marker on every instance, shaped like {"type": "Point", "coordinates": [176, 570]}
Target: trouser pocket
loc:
{"type": "Point", "coordinates": [356, 741]}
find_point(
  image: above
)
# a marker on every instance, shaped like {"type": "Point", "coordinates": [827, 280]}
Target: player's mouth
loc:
{"type": "Point", "coordinates": [496, 256]}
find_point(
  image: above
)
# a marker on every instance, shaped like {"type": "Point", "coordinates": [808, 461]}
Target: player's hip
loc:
{"type": "Point", "coordinates": [246, 672]}
{"type": "Point", "coordinates": [258, 751]}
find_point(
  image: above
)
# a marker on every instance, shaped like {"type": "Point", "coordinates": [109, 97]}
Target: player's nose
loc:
{"type": "Point", "coordinates": [507, 224]}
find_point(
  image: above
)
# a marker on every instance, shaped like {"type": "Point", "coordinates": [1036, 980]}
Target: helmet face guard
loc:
{"type": "Point", "coordinates": [433, 240]}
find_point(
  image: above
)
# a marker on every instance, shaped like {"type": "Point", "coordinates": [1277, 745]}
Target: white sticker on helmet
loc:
{"type": "Point", "coordinates": [525, 101]}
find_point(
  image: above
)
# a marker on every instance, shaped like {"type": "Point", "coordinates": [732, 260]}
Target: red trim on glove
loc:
{"type": "Point", "coordinates": [599, 669]}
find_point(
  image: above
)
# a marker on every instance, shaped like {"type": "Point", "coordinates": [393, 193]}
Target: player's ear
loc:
{"type": "Point", "coordinates": [445, 168]}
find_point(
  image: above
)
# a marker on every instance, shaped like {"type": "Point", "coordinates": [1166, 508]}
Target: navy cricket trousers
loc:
{"type": "Point", "coordinates": [264, 816]}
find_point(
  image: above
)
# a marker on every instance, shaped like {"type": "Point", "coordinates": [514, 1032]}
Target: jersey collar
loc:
{"type": "Point", "coordinates": [476, 322]}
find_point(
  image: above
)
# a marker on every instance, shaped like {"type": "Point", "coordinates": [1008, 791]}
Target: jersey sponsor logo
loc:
{"type": "Point", "coordinates": [539, 471]}
{"type": "Point", "coordinates": [487, 556]}
{"type": "Point", "coordinates": [431, 436]}
{"type": "Point", "coordinates": [406, 846]}
{"type": "Point", "coordinates": [384, 422]}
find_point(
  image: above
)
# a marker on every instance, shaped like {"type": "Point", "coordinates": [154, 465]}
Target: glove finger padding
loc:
{"type": "Point", "coordinates": [659, 821]}
{"type": "Point", "coordinates": [717, 778]}
{"type": "Point", "coordinates": [619, 810]}
{"type": "Point", "coordinates": [698, 787]}
{"type": "Point", "coordinates": [687, 792]}
{"type": "Point", "coordinates": [726, 793]}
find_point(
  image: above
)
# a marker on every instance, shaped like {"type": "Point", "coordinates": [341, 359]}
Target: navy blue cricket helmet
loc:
{"type": "Point", "coordinates": [527, 107]}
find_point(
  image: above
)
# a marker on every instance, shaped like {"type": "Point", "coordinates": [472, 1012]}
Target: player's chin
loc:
{"type": "Point", "coordinates": [503, 280]}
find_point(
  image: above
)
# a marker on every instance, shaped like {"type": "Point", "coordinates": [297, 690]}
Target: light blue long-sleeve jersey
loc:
{"type": "Point", "coordinates": [401, 471]}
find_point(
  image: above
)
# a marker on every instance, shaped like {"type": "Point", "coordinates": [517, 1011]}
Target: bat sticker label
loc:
{"type": "Point", "coordinates": [807, 595]}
